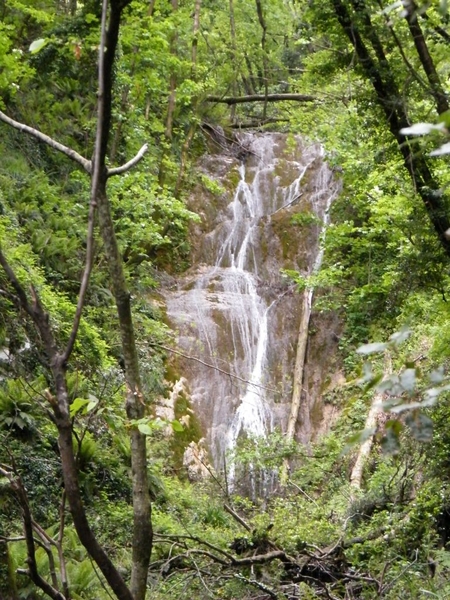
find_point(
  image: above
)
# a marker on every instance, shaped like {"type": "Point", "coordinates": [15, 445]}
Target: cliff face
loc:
{"type": "Point", "coordinates": [234, 312]}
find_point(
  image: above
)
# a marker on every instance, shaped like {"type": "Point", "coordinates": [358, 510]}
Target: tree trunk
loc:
{"type": "Point", "coordinates": [263, 24]}
{"type": "Point", "coordinates": [425, 57]}
{"type": "Point", "coordinates": [389, 98]}
{"type": "Point", "coordinates": [298, 373]}
{"type": "Point", "coordinates": [135, 405]}
{"type": "Point", "coordinates": [171, 104]}
{"type": "Point", "coordinates": [195, 32]}
{"type": "Point", "coordinates": [364, 451]}
{"type": "Point", "coordinates": [233, 58]}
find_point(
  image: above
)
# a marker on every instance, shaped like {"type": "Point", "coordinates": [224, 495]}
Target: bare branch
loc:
{"type": "Point", "coordinates": [86, 164]}
{"type": "Point", "coordinates": [262, 98]}
{"type": "Point", "coordinates": [170, 537]}
{"type": "Point", "coordinates": [21, 495]}
{"type": "Point", "coordinates": [128, 165]}
{"type": "Point", "coordinates": [258, 559]}
{"type": "Point", "coordinates": [218, 369]}
{"type": "Point", "coordinates": [257, 584]}
{"type": "Point", "coordinates": [235, 516]}
{"type": "Point", "coordinates": [84, 281]}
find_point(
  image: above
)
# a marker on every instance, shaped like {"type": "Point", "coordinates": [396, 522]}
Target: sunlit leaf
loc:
{"type": "Point", "coordinates": [373, 382]}
{"type": "Point", "coordinates": [422, 128]}
{"type": "Point", "coordinates": [357, 439]}
{"type": "Point", "coordinates": [77, 405]}
{"type": "Point", "coordinates": [437, 376]}
{"type": "Point", "coordinates": [400, 336]}
{"type": "Point", "coordinates": [37, 45]}
{"type": "Point", "coordinates": [177, 426]}
{"type": "Point", "coordinates": [371, 348]}
{"type": "Point", "coordinates": [145, 428]}
{"type": "Point", "coordinates": [444, 149]}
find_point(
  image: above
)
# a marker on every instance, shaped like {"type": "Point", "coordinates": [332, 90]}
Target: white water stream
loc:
{"type": "Point", "coordinates": [228, 309]}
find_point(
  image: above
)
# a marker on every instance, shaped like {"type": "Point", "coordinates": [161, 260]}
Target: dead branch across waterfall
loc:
{"type": "Point", "coordinates": [230, 100]}
{"type": "Point", "coordinates": [211, 366]}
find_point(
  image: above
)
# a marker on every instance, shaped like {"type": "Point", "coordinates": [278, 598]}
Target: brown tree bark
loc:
{"type": "Point", "coordinates": [135, 406]}
{"type": "Point", "coordinates": [425, 57]}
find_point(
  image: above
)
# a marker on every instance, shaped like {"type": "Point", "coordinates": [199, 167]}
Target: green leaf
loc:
{"type": "Point", "coordinates": [177, 426]}
{"type": "Point", "coordinates": [37, 45]}
{"type": "Point", "coordinates": [93, 401]}
{"type": "Point", "coordinates": [77, 405]}
{"type": "Point", "coordinates": [145, 428]}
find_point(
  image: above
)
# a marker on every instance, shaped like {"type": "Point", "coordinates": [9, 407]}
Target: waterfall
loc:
{"type": "Point", "coordinates": [233, 310]}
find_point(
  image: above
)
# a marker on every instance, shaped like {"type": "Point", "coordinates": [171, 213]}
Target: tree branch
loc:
{"type": "Point", "coordinates": [262, 98]}
{"type": "Point", "coordinates": [86, 164]}
{"type": "Point", "coordinates": [128, 165]}
{"type": "Point", "coordinates": [20, 493]}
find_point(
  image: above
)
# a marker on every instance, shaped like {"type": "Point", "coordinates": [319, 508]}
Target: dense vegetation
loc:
{"type": "Point", "coordinates": [79, 381]}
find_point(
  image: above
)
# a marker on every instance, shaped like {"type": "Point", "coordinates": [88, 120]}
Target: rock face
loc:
{"type": "Point", "coordinates": [235, 314]}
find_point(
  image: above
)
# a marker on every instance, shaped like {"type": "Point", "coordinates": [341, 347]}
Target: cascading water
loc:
{"type": "Point", "coordinates": [235, 315]}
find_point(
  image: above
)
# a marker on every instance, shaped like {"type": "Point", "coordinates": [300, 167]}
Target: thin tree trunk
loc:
{"type": "Point", "coordinates": [193, 126]}
{"type": "Point", "coordinates": [171, 105]}
{"type": "Point", "coordinates": [233, 58]}
{"type": "Point", "coordinates": [376, 408]}
{"type": "Point", "coordinates": [195, 31]}
{"type": "Point", "coordinates": [263, 24]}
{"type": "Point", "coordinates": [135, 406]}
{"type": "Point", "coordinates": [425, 57]}
{"type": "Point", "coordinates": [389, 98]}
{"type": "Point", "coordinates": [299, 370]}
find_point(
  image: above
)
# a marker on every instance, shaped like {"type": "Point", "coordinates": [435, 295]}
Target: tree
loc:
{"type": "Point", "coordinates": [58, 357]}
